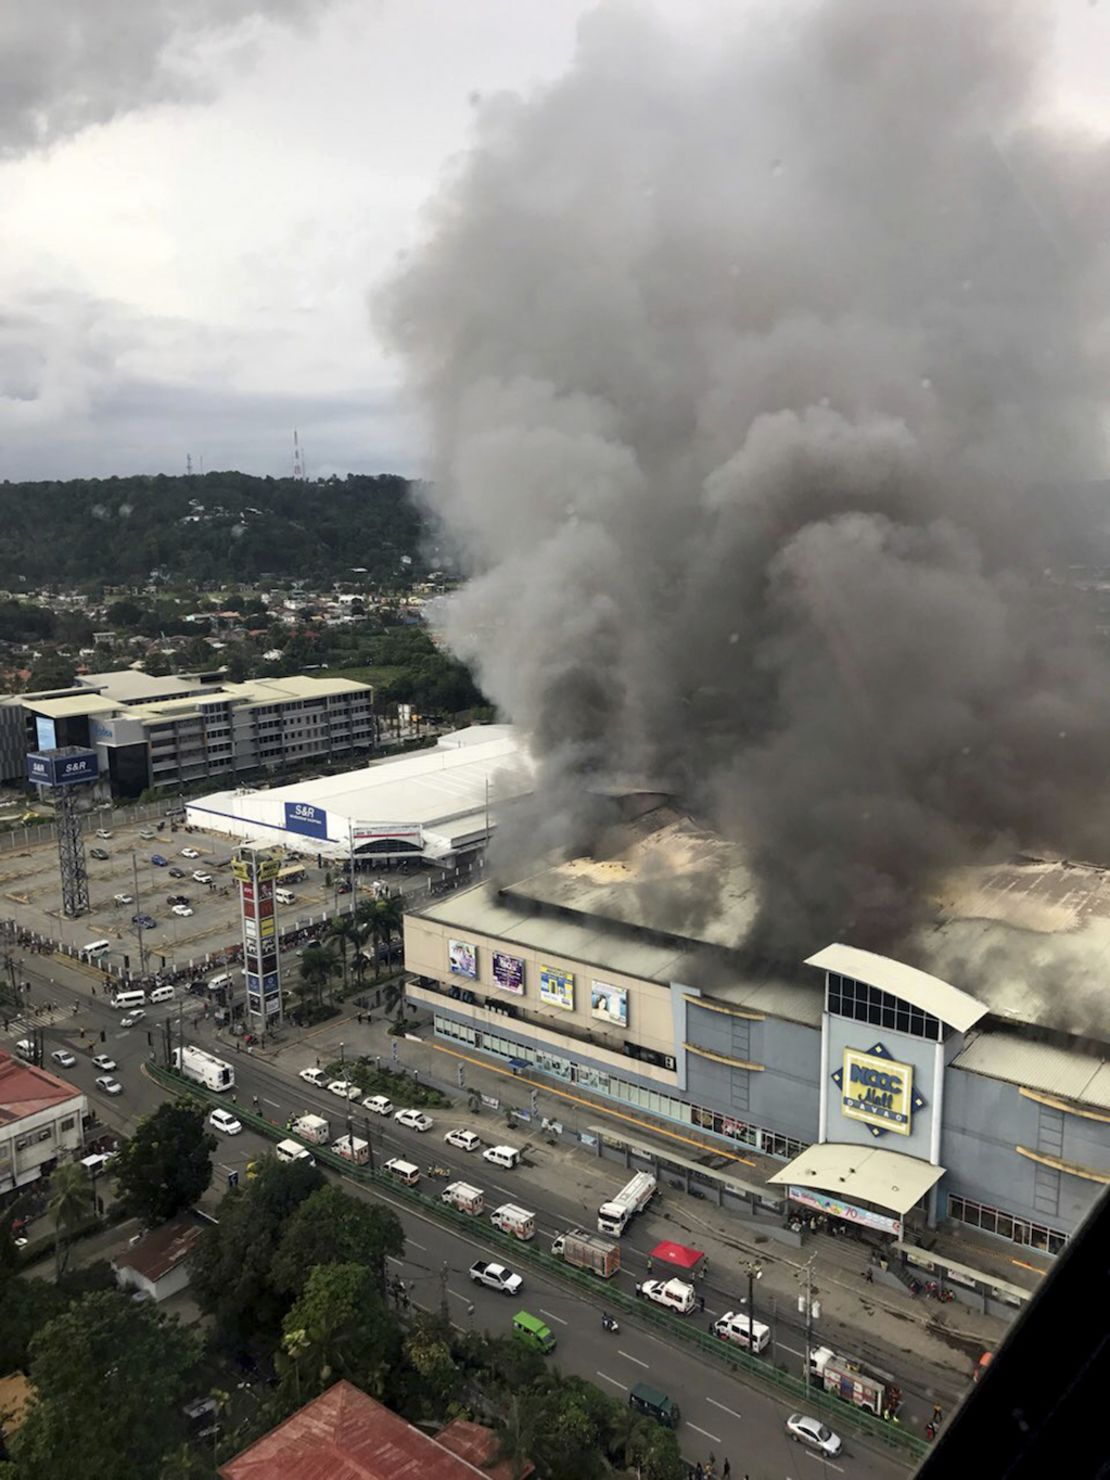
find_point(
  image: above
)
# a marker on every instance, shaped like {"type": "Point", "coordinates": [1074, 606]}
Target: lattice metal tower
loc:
{"type": "Point", "coordinates": [298, 458]}
{"type": "Point", "coordinates": [71, 853]}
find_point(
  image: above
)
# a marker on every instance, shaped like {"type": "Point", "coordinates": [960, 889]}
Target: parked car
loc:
{"type": "Point", "coordinates": [64, 1057]}
{"type": "Point", "coordinates": [134, 1016]}
{"type": "Point", "coordinates": [146, 833]}
{"type": "Point", "coordinates": [813, 1433]}
{"type": "Point", "coordinates": [189, 853]}
{"type": "Point", "coordinates": [104, 1061]}
{"type": "Point", "coordinates": [201, 877]}
{"type": "Point", "coordinates": [102, 832]}
{"type": "Point", "coordinates": [496, 1276]}
{"type": "Point", "coordinates": [463, 1140]}
{"type": "Point", "coordinates": [145, 922]}
{"type": "Point", "coordinates": [343, 887]}
{"type": "Point", "coordinates": [123, 899]}
{"type": "Point", "coordinates": [378, 1103]}
{"type": "Point", "coordinates": [344, 1089]}
{"type": "Point", "coordinates": [183, 910]}
{"type": "Point", "coordinates": [158, 861]}
{"type": "Point", "coordinates": [109, 1086]}
{"type": "Point", "coordinates": [99, 853]}
{"type": "Point", "coordinates": [314, 1076]}
{"type": "Point", "coordinates": [223, 1120]}
{"type": "Point", "coordinates": [178, 873]}
{"type": "Point", "coordinates": [177, 899]}
{"type": "Point", "coordinates": [416, 1120]}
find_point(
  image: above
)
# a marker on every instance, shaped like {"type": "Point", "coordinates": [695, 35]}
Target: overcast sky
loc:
{"type": "Point", "coordinates": [201, 195]}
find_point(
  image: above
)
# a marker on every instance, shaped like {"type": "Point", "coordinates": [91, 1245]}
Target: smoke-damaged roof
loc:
{"type": "Point", "coordinates": [664, 898]}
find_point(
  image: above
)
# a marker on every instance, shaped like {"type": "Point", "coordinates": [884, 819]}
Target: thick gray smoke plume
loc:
{"type": "Point", "coordinates": [66, 64]}
{"type": "Point", "coordinates": [759, 366]}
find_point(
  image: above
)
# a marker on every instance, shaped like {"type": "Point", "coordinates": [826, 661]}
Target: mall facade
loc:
{"type": "Point", "coordinates": [861, 1087]}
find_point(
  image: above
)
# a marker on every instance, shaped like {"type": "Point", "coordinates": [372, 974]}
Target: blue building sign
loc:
{"type": "Point", "coordinates": [69, 766]}
{"type": "Point", "coordinates": [304, 818]}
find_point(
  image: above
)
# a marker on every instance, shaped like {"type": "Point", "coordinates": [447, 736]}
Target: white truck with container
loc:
{"type": "Point", "coordinates": [582, 1250]}
{"type": "Point", "coordinates": [614, 1217]}
{"type": "Point", "coordinates": [464, 1198]}
{"type": "Point", "coordinates": [848, 1380]}
{"type": "Point", "coordinates": [312, 1128]}
{"type": "Point", "coordinates": [518, 1222]}
{"type": "Point", "coordinates": [203, 1067]}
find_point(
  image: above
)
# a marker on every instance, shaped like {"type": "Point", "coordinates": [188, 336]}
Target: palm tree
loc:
{"type": "Point", "coordinates": [383, 921]}
{"type": "Point", "coordinates": [69, 1205]}
{"type": "Point", "coordinates": [343, 930]}
{"type": "Point", "coordinates": [318, 967]}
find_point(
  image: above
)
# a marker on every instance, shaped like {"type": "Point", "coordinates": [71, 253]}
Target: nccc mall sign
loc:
{"type": "Point", "coordinates": [878, 1090]}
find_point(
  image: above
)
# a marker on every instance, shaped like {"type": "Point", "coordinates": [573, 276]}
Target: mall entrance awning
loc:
{"type": "Point", "coordinates": [888, 1179]}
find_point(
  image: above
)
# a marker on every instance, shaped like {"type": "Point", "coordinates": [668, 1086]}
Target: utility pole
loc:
{"type": "Point", "coordinates": [444, 1309]}
{"type": "Point", "coordinates": [754, 1271]}
{"type": "Point", "coordinates": [811, 1309]}
{"type": "Point", "coordinates": [138, 914]}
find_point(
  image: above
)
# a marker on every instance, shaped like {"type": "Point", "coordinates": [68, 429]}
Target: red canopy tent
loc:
{"type": "Point", "coordinates": [679, 1255]}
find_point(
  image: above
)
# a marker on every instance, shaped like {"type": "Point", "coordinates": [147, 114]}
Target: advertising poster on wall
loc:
{"type": "Point", "coordinates": [462, 958]}
{"type": "Point", "coordinates": [609, 1004]}
{"type": "Point", "coordinates": [557, 987]}
{"type": "Point", "coordinates": [508, 973]}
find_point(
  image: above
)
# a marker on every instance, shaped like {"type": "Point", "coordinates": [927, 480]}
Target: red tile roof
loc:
{"type": "Point", "coordinates": [476, 1443]}
{"type": "Point", "coordinates": [346, 1435]}
{"type": "Point", "coordinates": [162, 1250]}
{"type": "Point", "coordinates": [24, 1090]}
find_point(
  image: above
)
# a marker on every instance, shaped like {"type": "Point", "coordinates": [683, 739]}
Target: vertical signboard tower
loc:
{"type": "Point", "coordinates": [256, 867]}
{"type": "Point", "coordinates": [63, 772]}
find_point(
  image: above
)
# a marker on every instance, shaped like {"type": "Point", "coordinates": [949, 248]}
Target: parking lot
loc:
{"type": "Point", "coordinates": [128, 882]}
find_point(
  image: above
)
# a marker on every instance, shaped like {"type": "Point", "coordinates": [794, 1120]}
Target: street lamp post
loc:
{"type": "Point", "coordinates": [754, 1272]}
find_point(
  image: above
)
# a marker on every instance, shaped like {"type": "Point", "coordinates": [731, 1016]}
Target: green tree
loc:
{"type": "Point", "coordinates": [339, 1328]}
{"type": "Point", "coordinates": [167, 1164]}
{"type": "Point", "coordinates": [343, 930]}
{"type": "Point", "coordinates": [332, 1227]}
{"type": "Point", "coordinates": [110, 1378]}
{"type": "Point", "coordinates": [232, 1265]}
{"type": "Point", "coordinates": [25, 1307]}
{"type": "Point", "coordinates": [156, 664]}
{"type": "Point", "coordinates": [317, 972]}
{"type": "Point", "coordinates": [69, 1205]}
{"type": "Point", "coordinates": [52, 671]}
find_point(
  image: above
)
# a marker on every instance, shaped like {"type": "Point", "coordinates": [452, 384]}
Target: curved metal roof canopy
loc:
{"type": "Point", "coordinates": [929, 993]}
{"type": "Point", "coordinates": [890, 1179]}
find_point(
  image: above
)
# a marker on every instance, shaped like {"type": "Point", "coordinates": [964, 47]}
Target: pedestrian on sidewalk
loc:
{"type": "Point", "coordinates": [869, 1276]}
{"type": "Point", "coordinates": [701, 1304]}
{"type": "Point", "coordinates": [930, 1432]}
{"type": "Point", "coordinates": [649, 1264]}
{"type": "Point", "coordinates": [726, 1471]}
{"type": "Point", "coordinates": [938, 1413]}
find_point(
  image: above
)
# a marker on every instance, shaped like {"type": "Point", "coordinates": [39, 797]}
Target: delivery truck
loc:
{"type": "Point", "coordinates": [463, 1197]}
{"type": "Point", "coordinates": [847, 1378]}
{"type": "Point", "coordinates": [351, 1148]}
{"type": "Point", "coordinates": [517, 1221]}
{"type": "Point", "coordinates": [203, 1067]}
{"type": "Point", "coordinates": [312, 1128]}
{"type": "Point", "coordinates": [584, 1250]}
{"type": "Point", "coordinates": [614, 1217]}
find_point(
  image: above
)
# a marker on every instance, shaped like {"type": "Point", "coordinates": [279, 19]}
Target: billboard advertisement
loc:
{"type": "Point", "coordinates": [307, 819]}
{"type": "Point", "coordinates": [508, 973]}
{"type": "Point", "coordinates": [557, 987]}
{"type": "Point", "coordinates": [878, 1091]}
{"type": "Point", "coordinates": [393, 832]}
{"type": "Point", "coordinates": [66, 767]}
{"type": "Point", "coordinates": [462, 958]}
{"type": "Point", "coordinates": [46, 737]}
{"type": "Point", "coordinates": [834, 1207]}
{"type": "Point", "coordinates": [609, 1004]}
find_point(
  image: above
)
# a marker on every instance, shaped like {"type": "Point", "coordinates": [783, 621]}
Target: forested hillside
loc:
{"type": "Point", "coordinates": [211, 527]}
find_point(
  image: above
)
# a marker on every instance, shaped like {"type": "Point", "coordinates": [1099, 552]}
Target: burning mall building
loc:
{"type": "Point", "coordinates": [860, 1085]}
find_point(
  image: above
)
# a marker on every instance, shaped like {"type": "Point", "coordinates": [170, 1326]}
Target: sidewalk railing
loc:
{"type": "Point", "coordinates": [771, 1379]}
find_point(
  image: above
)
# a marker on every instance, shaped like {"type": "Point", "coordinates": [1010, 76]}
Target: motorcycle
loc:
{"type": "Point", "coordinates": [437, 1171]}
{"type": "Point", "coordinates": [610, 1323]}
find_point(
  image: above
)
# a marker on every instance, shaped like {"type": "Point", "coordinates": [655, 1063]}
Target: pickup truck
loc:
{"type": "Point", "coordinates": [496, 1276]}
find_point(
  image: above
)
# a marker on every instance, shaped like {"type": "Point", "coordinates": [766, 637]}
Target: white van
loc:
{"type": "Point", "coordinates": [26, 1049]}
{"type": "Point", "coordinates": [284, 896]}
{"type": "Point", "coordinates": [290, 1151]}
{"type": "Point", "coordinates": [96, 948]}
{"type": "Point", "coordinates": [135, 998]}
{"type": "Point", "coordinates": [736, 1327]}
{"type": "Point", "coordinates": [502, 1156]}
{"type": "Point", "coordinates": [404, 1171]}
{"type": "Point", "coordinates": [220, 983]}
{"type": "Point", "coordinates": [162, 994]}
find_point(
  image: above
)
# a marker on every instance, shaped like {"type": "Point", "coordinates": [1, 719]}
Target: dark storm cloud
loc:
{"type": "Point", "coordinates": [757, 364]}
{"type": "Point", "coordinates": [65, 64]}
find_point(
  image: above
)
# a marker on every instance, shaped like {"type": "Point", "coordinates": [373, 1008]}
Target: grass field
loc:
{"type": "Point", "coordinates": [373, 676]}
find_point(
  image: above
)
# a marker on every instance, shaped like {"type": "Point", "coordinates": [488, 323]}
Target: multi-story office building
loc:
{"type": "Point", "coordinates": [172, 732]}
{"type": "Point", "coordinates": [41, 1122]}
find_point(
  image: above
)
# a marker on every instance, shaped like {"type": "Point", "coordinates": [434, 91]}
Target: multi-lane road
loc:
{"type": "Point", "coordinates": [720, 1414]}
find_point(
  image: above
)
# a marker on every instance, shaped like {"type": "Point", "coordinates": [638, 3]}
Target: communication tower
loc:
{"type": "Point", "coordinates": [298, 458]}
{"type": "Point", "coordinates": [63, 772]}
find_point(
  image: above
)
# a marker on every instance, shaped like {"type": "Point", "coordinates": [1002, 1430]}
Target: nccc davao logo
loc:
{"type": "Point", "coordinates": [877, 1089]}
